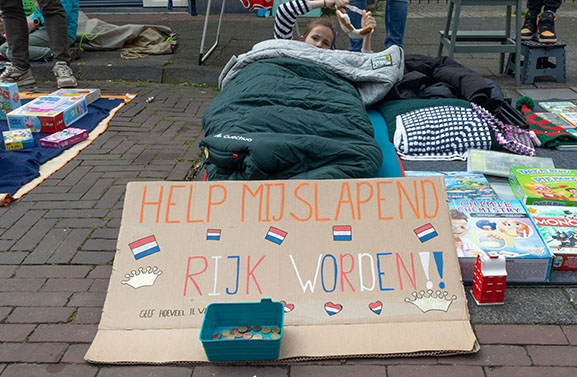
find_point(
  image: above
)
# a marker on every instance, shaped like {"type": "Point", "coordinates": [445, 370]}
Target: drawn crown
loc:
{"type": "Point", "coordinates": [142, 277]}
{"type": "Point", "coordinates": [429, 300]}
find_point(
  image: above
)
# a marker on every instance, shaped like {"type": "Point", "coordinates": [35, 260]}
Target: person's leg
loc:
{"type": "Point", "coordinates": [529, 28]}
{"type": "Point", "coordinates": [56, 28]}
{"type": "Point", "coordinates": [546, 23]}
{"type": "Point", "coordinates": [395, 19]}
{"type": "Point", "coordinates": [16, 29]}
{"type": "Point", "coordinates": [551, 5]}
{"type": "Point", "coordinates": [40, 47]}
{"type": "Point", "coordinates": [356, 44]}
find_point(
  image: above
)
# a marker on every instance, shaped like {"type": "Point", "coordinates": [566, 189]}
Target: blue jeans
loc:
{"type": "Point", "coordinates": [395, 20]}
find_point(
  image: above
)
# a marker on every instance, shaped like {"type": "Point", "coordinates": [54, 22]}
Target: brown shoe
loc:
{"type": "Point", "coordinates": [19, 76]}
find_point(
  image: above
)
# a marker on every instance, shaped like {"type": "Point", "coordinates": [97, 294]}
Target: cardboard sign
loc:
{"type": "Point", "coordinates": [363, 267]}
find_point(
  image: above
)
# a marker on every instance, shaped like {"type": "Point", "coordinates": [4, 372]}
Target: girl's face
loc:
{"type": "Point", "coordinates": [320, 36]}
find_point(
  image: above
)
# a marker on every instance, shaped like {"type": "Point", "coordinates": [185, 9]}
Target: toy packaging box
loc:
{"type": "Point", "coordinates": [64, 138]}
{"type": "Point", "coordinates": [18, 139]}
{"type": "Point", "coordinates": [10, 98]}
{"type": "Point", "coordinates": [502, 226]}
{"type": "Point", "coordinates": [556, 187]}
{"type": "Point", "coordinates": [558, 227]}
{"type": "Point", "coordinates": [48, 114]}
{"type": "Point", "coordinates": [461, 184]}
{"type": "Point", "coordinates": [90, 95]}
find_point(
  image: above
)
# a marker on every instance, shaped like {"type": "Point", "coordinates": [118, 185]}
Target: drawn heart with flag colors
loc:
{"type": "Point", "coordinates": [376, 307]}
{"type": "Point", "coordinates": [288, 307]}
{"type": "Point", "coordinates": [333, 309]}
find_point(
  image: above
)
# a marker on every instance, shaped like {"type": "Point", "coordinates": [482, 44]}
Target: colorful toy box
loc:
{"type": "Point", "coordinates": [18, 139]}
{"type": "Point", "coordinates": [64, 138]}
{"type": "Point", "coordinates": [90, 95]}
{"type": "Point", "coordinates": [555, 187]}
{"type": "Point", "coordinates": [243, 331]}
{"type": "Point", "coordinates": [48, 114]}
{"type": "Point", "coordinates": [9, 98]}
{"type": "Point", "coordinates": [503, 226]}
{"type": "Point", "coordinates": [558, 227]}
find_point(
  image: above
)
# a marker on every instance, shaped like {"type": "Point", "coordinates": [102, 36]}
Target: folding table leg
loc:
{"type": "Point", "coordinates": [202, 57]}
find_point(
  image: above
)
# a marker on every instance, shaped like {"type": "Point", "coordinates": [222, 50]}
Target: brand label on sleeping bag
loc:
{"type": "Point", "coordinates": [234, 137]}
{"type": "Point", "coordinates": [382, 61]}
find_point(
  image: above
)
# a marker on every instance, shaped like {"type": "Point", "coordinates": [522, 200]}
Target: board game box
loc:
{"type": "Point", "coordinates": [544, 186]}
{"type": "Point", "coordinates": [90, 95]}
{"type": "Point", "coordinates": [48, 114]}
{"type": "Point", "coordinates": [558, 228]}
{"type": "Point", "coordinates": [502, 226]}
{"type": "Point", "coordinates": [9, 98]}
{"type": "Point", "coordinates": [64, 138]}
{"type": "Point", "coordinates": [461, 184]}
{"type": "Point", "coordinates": [18, 139]}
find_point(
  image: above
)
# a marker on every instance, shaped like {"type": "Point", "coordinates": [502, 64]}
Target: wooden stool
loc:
{"type": "Point", "coordinates": [536, 61]}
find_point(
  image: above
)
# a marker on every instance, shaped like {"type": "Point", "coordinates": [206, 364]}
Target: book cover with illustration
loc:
{"type": "Point", "coordinates": [499, 163]}
{"type": "Point", "coordinates": [559, 106]}
{"type": "Point", "coordinates": [556, 187]}
{"type": "Point", "coordinates": [502, 226]}
{"type": "Point", "coordinates": [558, 228]}
{"type": "Point", "coordinates": [461, 184]}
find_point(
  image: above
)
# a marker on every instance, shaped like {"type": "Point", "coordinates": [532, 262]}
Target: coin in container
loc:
{"type": "Point", "coordinates": [216, 336]}
{"type": "Point", "coordinates": [247, 335]}
{"type": "Point", "coordinates": [274, 335]}
{"type": "Point", "coordinates": [276, 330]}
{"type": "Point", "coordinates": [256, 328]}
{"type": "Point", "coordinates": [242, 329]}
{"type": "Point", "coordinates": [257, 336]}
{"type": "Point", "coordinates": [265, 330]}
{"type": "Point", "coordinates": [225, 333]}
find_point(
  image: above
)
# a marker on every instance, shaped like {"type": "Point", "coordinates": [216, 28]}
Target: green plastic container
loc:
{"type": "Point", "coordinates": [226, 316]}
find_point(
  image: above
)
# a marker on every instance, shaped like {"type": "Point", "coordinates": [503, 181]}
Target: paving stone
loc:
{"type": "Point", "coordinates": [531, 372]}
{"type": "Point", "coordinates": [21, 227]}
{"type": "Point", "coordinates": [12, 257]}
{"type": "Point", "coordinates": [46, 247]}
{"type": "Point", "coordinates": [64, 333]}
{"type": "Point", "coordinates": [99, 245]}
{"type": "Point", "coordinates": [553, 355]}
{"type": "Point", "coordinates": [5, 245]}
{"type": "Point", "coordinates": [52, 370]}
{"type": "Point", "coordinates": [15, 333]}
{"type": "Point", "coordinates": [240, 371]}
{"type": "Point", "coordinates": [76, 213]}
{"type": "Point", "coordinates": [21, 285]}
{"type": "Point", "coordinates": [88, 315]}
{"type": "Point", "coordinates": [146, 371]}
{"type": "Point", "coordinates": [40, 315]}
{"type": "Point", "coordinates": [519, 334]}
{"type": "Point", "coordinates": [67, 285]}
{"type": "Point", "coordinates": [87, 299]}
{"type": "Point", "coordinates": [100, 272]}
{"type": "Point", "coordinates": [75, 354]}
{"type": "Point", "coordinates": [4, 311]}
{"type": "Point", "coordinates": [434, 371]}
{"type": "Point", "coordinates": [53, 271]}
{"type": "Point", "coordinates": [33, 298]}
{"type": "Point", "coordinates": [571, 334]}
{"type": "Point", "coordinates": [39, 231]}
{"type": "Point", "coordinates": [81, 223]}
{"type": "Point", "coordinates": [99, 285]}
{"type": "Point", "coordinates": [31, 353]}
{"type": "Point", "coordinates": [491, 355]}
{"type": "Point", "coordinates": [7, 271]}
{"type": "Point", "coordinates": [69, 247]}
{"type": "Point", "coordinates": [93, 257]}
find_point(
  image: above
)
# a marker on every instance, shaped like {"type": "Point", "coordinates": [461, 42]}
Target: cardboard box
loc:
{"type": "Point", "coordinates": [482, 226]}
{"type": "Point", "coordinates": [48, 114]}
{"type": "Point", "coordinates": [556, 187]}
{"type": "Point", "coordinates": [558, 228]}
{"type": "Point", "coordinates": [9, 98]}
{"type": "Point", "coordinates": [90, 95]}
{"type": "Point", "coordinates": [64, 138]}
{"type": "Point", "coordinates": [18, 139]}
{"type": "Point", "coordinates": [362, 267]}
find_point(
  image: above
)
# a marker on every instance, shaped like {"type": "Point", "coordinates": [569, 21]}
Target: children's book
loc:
{"type": "Point", "coordinates": [499, 163]}
{"type": "Point", "coordinates": [461, 184]}
{"type": "Point", "coordinates": [558, 228]}
{"type": "Point", "coordinates": [544, 186]}
{"type": "Point", "coordinates": [502, 226]}
{"type": "Point", "coordinates": [557, 120]}
{"type": "Point", "coordinates": [559, 107]}
{"type": "Point", "coordinates": [571, 118]}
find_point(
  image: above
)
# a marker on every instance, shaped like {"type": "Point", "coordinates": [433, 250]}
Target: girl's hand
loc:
{"type": "Point", "coordinates": [332, 4]}
{"type": "Point", "coordinates": [368, 20]}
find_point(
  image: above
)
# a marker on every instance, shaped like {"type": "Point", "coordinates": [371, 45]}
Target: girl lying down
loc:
{"type": "Point", "coordinates": [320, 33]}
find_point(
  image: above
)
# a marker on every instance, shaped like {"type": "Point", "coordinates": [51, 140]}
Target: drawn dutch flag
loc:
{"type": "Point", "coordinates": [144, 246]}
{"type": "Point", "coordinates": [275, 235]}
{"type": "Point", "coordinates": [426, 232]}
{"type": "Point", "coordinates": [213, 234]}
{"type": "Point", "coordinates": [342, 233]}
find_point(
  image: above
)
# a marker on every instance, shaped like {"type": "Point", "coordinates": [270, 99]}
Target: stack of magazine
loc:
{"type": "Point", "coordinates": [564, 114]}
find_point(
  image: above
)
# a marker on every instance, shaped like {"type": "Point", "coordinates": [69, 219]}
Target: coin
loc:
{"type": "Point", "coordinates": [274, 335]}
{"type": "Point", "coordinates": [225, 333]}
{"type": "Point", "coordinates": [230, 336]}
{"type": "Point", "coordinates": [275, 330]}
{"type": "Point", "coordinates": [257, 336]}
{"type": "Point", "coordinates": [256, 328]}
{"type": "Point", "coordinates": [265, 330]}
{"type": "Point", "coordinates": [247, 335]}
{"type": "Point", "coordinates": [242, 329]}
{"type": "Point", "coordinates": [237, 333]}
{"type": "Point", "coordinates": [216, 336]}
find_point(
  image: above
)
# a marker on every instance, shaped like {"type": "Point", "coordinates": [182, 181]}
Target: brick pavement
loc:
{"type": "Point", "coordinates": [57, 244]}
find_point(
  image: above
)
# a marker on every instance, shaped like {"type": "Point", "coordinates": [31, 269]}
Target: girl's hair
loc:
{"type": "Point", "coordinates": [319, 22]}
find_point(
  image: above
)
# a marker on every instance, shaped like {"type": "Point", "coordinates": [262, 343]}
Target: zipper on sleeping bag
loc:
{"type": "Point", "coordinates": [224, 159]}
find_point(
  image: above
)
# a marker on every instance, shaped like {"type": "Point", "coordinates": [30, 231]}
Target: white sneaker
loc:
{"type": "Point", "coordinates": [64, 76]}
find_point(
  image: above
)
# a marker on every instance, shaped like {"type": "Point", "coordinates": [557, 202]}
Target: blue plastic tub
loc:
{"type": "Point", "coordinates": [227, 316]}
